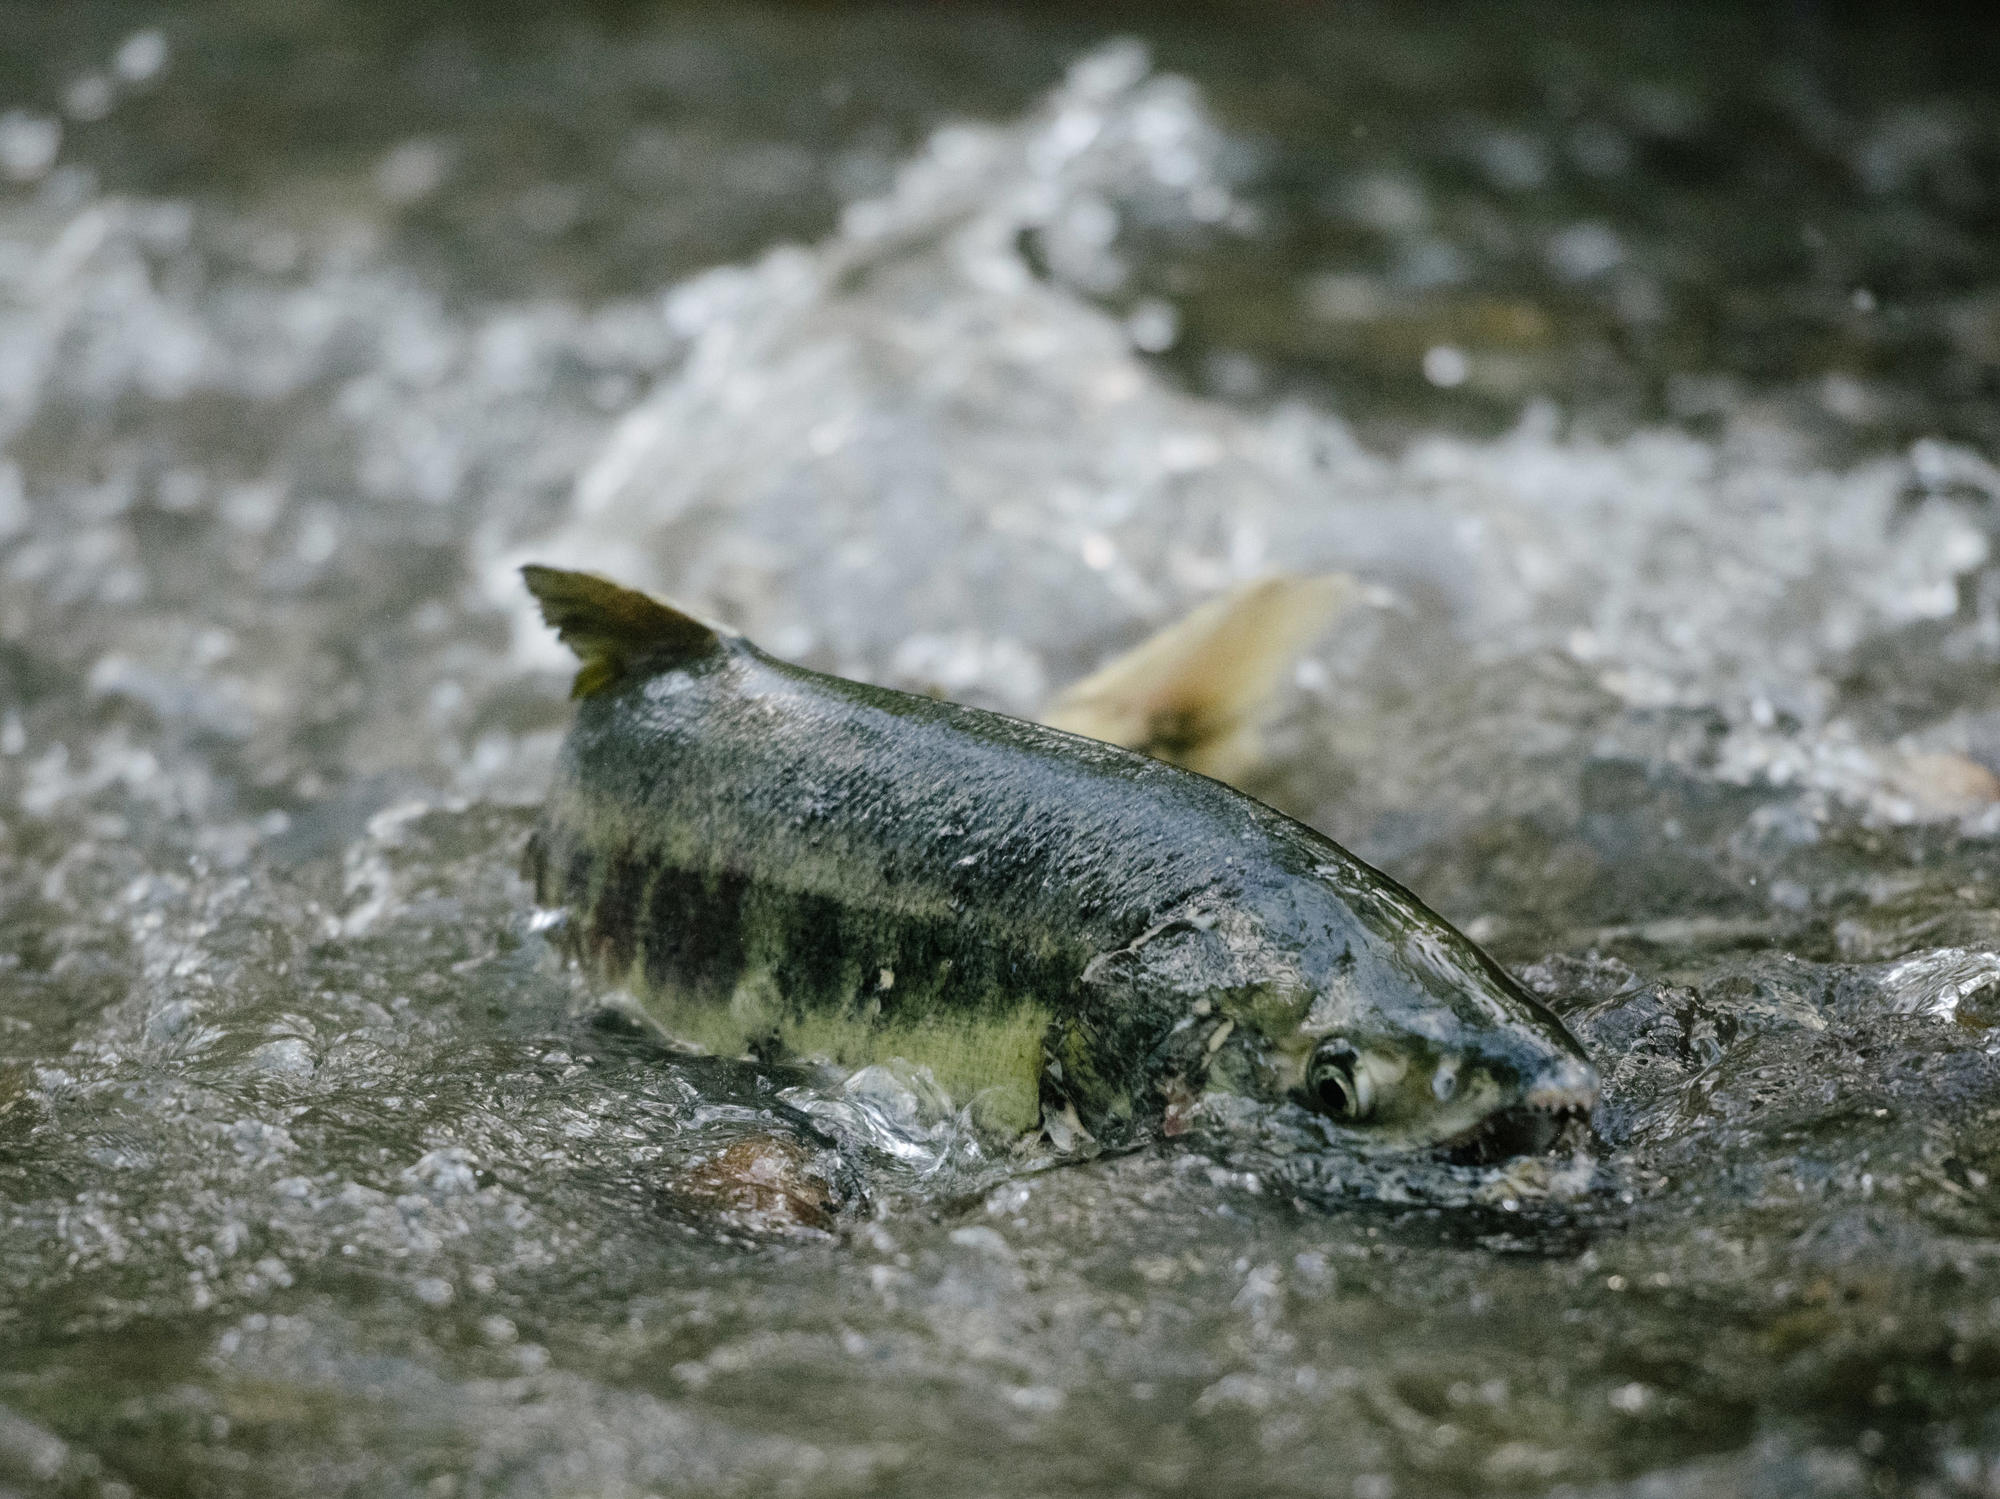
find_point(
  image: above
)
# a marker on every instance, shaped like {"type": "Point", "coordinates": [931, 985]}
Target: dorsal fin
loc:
{"type": "Point", "coordinates": [613, 629]}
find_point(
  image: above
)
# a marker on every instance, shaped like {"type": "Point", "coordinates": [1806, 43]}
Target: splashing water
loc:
{"type": "Point", "coordinates": [318, 1173]}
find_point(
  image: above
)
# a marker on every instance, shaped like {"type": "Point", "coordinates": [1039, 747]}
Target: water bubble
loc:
{"type": "Point", "coordinates": [28, 144]}
{"type": "Point", "coordinates": [1153, 326]}
{"type": "Point", "coordinates": [89, 97]}
{"type": "Point", "coordinates": [289, 1055]}
{"type": "Point", "coordinates": [413, 171]}
{"type": "Point", "coordinates": [1583, 251]}
{"type": "Point", "coordinates": [1424, 264]}
{"type": "Point", "coordinates": [1446, 367]}
{"type": "Point", "coordinates": [141, 57]}
{"type": "Point", "coordinates": [1391, 202]}
{"type": "Point", "coordinates": [499, 1330]}
{"type": "Point", "coordinates": [1513, 161]}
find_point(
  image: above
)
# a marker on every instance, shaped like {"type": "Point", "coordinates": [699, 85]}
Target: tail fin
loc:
{"type": "Point", "coordinates": [614, 629]}
{"type": "Point", "coordinates": [1195, 693]}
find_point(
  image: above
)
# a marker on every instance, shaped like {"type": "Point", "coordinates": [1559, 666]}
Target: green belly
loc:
{"type": "Point", "coordinates": [733, 965]}
{"type": "Point", "coordinates": [992, 1061]}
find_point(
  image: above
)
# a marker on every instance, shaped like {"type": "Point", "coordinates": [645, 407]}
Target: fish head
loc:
{"type": "Point", "coordinates": [1398, 1027]}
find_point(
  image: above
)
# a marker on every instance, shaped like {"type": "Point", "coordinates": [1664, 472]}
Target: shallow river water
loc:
{"type": "Point", "coordinates": [1644, 361]}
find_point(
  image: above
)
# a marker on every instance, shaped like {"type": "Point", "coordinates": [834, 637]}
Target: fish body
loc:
{"type": "Point", "coordinates": [1066, 933]}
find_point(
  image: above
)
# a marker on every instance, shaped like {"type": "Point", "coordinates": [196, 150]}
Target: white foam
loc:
{"type": "Point", "coordinates": [906, 434]}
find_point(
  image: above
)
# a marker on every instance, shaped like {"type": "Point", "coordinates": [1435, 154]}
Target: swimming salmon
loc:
{"type": "Point", "coordinates": [1069, 935]}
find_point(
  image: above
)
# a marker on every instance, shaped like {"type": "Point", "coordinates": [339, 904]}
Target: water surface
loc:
{"type": "Point", "coordinates": [1644, 360]}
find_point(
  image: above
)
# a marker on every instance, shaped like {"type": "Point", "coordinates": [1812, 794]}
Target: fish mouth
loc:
{"type": "Point", "coordinates": [1516, 1132]}
{"type": "Point", "coordinates": [1557, 1108]}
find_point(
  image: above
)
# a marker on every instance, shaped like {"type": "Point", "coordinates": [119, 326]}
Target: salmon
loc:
{"type": "Point", "coordinates": [1075, 939]}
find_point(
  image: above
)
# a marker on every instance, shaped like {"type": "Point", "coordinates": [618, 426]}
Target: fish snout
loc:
{"type": "Point", "coordinates": [1567, 1086]}
{"type": "Point", "coordinates": [1555, 1106]}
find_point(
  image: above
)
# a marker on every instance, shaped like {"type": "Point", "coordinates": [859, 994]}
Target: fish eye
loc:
{"type": "Point", "coordinates": [1337, 1083]}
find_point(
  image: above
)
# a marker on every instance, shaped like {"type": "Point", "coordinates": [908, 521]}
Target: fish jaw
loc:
{"type": "Point", "coordinates": [1543, 1080]}
{"type": "Point", "coordinates": [1552, 1107]}
{"type": "Point", "coordinates": [1549, 1086]}
{"type": "Point", "coordinates": [1505, 1092]}
{"type": "Point", "coordinates": [1567, 1086]}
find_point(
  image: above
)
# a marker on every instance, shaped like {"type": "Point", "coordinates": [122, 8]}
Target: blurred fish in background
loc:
{"type": "Point", "coordinates": [1196, 693]}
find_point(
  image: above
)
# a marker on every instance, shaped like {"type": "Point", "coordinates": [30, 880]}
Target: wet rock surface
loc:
{"type": "Point", "coordinates": [960, 357]}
